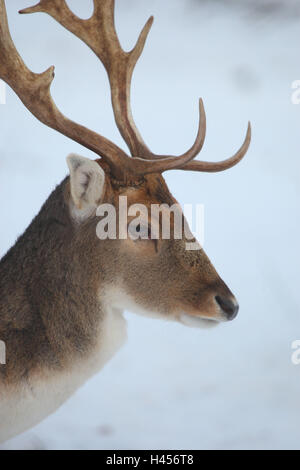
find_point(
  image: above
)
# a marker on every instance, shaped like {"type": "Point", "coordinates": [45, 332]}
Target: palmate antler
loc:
{"type": "Point", "coordinates": [99, 33]}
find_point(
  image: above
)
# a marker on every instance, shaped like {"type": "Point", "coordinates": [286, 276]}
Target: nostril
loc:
{"type": "Point", "coordinates": [229, 306]}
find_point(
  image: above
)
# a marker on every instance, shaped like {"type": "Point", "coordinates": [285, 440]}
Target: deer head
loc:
{"type": "Point", "coordinates": [159, 275]}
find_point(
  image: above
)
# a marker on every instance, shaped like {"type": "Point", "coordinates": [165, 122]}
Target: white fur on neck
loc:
{"type": "Point", "coordinates": [32, 401]}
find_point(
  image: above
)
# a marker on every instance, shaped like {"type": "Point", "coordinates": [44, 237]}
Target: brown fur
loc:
{"type": "Point", "coordinates": [50, 280]}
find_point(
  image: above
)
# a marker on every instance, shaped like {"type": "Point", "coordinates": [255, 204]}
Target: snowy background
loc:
{"type": "Point", "coordinates": [233, 387]}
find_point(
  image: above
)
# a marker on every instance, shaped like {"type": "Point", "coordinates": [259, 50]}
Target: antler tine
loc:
{"type": "Point", "coordinates": [162, 164]}
{"type": "Point", "coordinates": [215, 167]}
{"type": "Point", "coordinates": [99, 33]}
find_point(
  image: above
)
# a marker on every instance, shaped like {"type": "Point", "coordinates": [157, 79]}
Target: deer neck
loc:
{"type": "Point", "coordinates": [57, 328]}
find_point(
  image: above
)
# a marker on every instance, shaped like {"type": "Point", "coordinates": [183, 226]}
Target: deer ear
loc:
{"type": "Point", "coordinates": [87, 181]}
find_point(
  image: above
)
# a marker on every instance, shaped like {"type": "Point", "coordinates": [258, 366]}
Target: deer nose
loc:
{"type": "Point", "coordinates": [229, 306]}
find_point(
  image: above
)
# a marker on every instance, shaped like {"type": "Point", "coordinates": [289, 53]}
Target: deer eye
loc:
{"type": "Point", "coordinates": [139, 231]}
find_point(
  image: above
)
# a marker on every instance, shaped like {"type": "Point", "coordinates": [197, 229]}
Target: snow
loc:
{"type": "Point", "coordinates": [233, 387]}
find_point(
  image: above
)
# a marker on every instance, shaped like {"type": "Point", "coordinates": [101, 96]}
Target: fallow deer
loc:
{"type": "Point", "coordinates": [62, 290]}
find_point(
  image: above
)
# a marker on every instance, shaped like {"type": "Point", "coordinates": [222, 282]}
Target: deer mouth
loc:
{"type": "Point", "coordinates": [197, 322]}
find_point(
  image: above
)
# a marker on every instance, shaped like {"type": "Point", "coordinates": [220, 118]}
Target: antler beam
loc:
{"type": "Point", "coordinates": [99, 33]}
{"type": "Point", "coordinates": [34, 91]}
